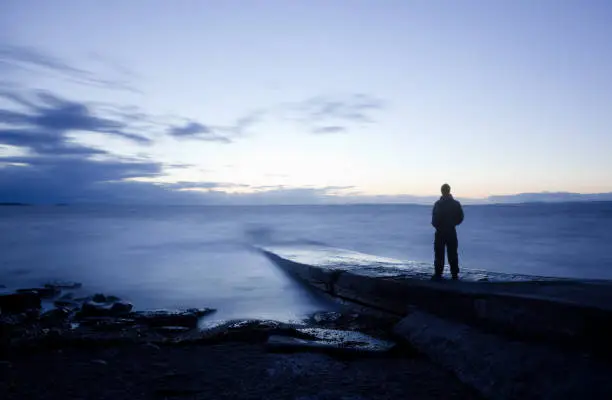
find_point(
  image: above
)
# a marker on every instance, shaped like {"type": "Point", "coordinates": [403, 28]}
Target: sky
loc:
{"type": "Point", "coordinates": [275, 101]}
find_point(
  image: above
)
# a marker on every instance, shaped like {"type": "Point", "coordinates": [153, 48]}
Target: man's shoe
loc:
{"type": "Point", "coordinates": [455, 277]}
{"type": "Point", "coordinates": [436, 277]}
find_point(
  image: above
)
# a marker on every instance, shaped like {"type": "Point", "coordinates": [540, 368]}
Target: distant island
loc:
{"type": "Point", "coordinates": [550, 197]}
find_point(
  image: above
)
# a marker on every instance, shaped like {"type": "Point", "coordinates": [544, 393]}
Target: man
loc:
{"type": "Point", "coordinates": [447, 214]}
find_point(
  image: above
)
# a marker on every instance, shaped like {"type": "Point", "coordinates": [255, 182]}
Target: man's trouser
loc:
{"type": "Point", "coordinates": [446, 238]}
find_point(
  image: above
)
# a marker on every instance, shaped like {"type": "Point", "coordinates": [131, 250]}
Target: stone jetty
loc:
{"type": "Point", "coordinates": [508, 336]}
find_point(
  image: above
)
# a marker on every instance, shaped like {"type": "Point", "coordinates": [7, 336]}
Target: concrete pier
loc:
{"type": "Point", "coordinates": [567, 312]}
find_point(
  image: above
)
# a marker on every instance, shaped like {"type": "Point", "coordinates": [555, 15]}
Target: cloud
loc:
{"type": "Point", "coordinates": [196, 130]}
{"type": "Point", "coordinates": [329, 129]}
{"type": "Point", "coordinates": [43, 122]}
{"type": "Point", "coordinates": [27, 58]}
{"type": "Point", "coordinates": [335, 114]}
{"type": "Point", "coordinates": [67, 179]}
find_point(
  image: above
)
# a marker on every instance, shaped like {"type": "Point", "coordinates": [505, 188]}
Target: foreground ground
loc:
{"type": "Point", "coordinates": [223, 371]}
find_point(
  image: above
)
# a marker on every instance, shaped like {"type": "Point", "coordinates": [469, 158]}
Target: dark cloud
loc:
{"type": "Point", "coordinates": [67, 179]}
{"type": "Point", "coordinates": [352, 108]}
{"type": "Point", "coordinates": [28, 58]}
{"type": "Point", "coordinates": [44, 142]}
{"type": "Point", "coordinates": [196, 130]}
{"type": "Point", "coordinates": [190, 129]}
{"type": "Point", "coordinates": [329, 129]}
{"type": "Point", "coordinates": [335, 114]}
{"type": "Point", "coordinates": [43, 122]}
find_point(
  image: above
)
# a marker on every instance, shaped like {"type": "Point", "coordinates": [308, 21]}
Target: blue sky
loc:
{"type": "Point", "coordinates": [302, 101]}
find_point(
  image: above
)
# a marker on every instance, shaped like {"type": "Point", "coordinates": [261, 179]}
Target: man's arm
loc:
{"type": "Point", "coordinates": [459, 214]}
{"type": "Point", "coordinates": [435, 217]}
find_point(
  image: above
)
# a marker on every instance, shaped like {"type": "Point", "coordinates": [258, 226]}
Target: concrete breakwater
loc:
{"type": "Point", "coordinates": [509, 336]}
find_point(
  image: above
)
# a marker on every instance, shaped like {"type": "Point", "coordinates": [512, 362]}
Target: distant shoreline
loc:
{"type": "Point", "coordinates": [466, 203]}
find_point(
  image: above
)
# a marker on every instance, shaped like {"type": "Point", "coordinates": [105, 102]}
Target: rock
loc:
{"type": "Point", "coordinates": [68, 304]}
{"type": "Point", "coordinates": [55, 317]}
{"type": "Point", "coordinates": [43, 293]}
{"type": "Point", "coordinates": [250, 331]}
{"type": "Point", "coordinates": [200, 312]}
{"type": "Point", "coordinates": [99, 362]}
{"type": "Point", "coordinates": [96, 309]}
{"type": "Point", "coordinates": [67, 296]}
{"type": "Point", "coordinates": [501, 368]}
{"type": "Point", "coordinates": [63, 285]}
{"type": "Point", "coordinates": [121, 307]}
{"type": "Point", "coordinates": [324, 316]}
{"type": "Point", "coordinates": [15, 303]}
{"type": "Point", "coordinates": [159, 318]}
{"type": "Point", "coordinates": [99, 298]}
{"type": "Point", "coordinates": [107, 323]}
{"type": "Point", "coordinates": [172, 329]}
{"type": "Point", "coordinates": [331, 341]}
{"type": "Point", "coordinates": [112, 299]}
{"type": "Point", "coordinates": [150, 345]}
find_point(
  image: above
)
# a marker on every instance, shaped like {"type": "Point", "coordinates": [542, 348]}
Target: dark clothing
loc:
{"type": "Point", "coordinates": [446, 215]}
{"type": "Point", "coordinates": [449, 240]}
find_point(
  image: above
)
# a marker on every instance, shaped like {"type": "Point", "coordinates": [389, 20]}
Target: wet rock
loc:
{"type": "Point", "coordinates": [99, 298]}
{"type": "Point", "coordinates": [63, 285]}
{"type": "Point", "coordinates": [200, 312]}
{"type": "Point", "coordinates": [324, 316]}
{"type": "Point", "coordinates": [107, 323]}
{"type": "Point", "coordinates": [67, 304]}
{"type": "Point", "coordinates": [96, 309]}
{"type": "Point", "coordinates": [55, 317]}
{"type": "Point", "coordinates": [151, 346]}
{"type": "Point", "coordinates": [249, 331]}
{"type": "Point", "coordinates": [331, 341]}
{"type": "Point", "coordinates": [67, 296]}
{"type": "Point", "coordinates": [121, 307]}
{"type": "Point", "coordinates": [162, 318]}
{"type": "Point", "coordinates": [172, 329]}
{"type": "Point", "coordinates": [14, 303]}
{"type": "Point", "coordinates": [43, 293]}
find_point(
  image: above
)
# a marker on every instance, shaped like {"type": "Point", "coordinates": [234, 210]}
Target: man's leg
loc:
{"type": "Point", "coordinates": [439, 254]}
{"type": "Point", "coordinates": [452, 245]}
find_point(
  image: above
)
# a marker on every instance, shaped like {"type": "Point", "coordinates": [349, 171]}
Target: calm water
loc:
{"type": "Point", "coordinates": [200, 256]}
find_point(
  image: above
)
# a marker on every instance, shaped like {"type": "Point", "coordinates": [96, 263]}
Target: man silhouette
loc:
{"type": "Point", "coordinates": [446, 215]}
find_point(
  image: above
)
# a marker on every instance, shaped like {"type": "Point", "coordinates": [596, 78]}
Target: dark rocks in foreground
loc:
{"type": "Point", "coordinates": [187, 318]}
{"type": "Point", "coordinates": [331, 341]}
{"type": "Point", "coordinates": [96, 309]}
{"type": "Point", "coordinates": [43, 293]}
{"type": "Point", "coordinates": [221, 371]}
{"type": "Point", "coordinates": [500, 368]}
{"type": "Point", "coordinates": [15, 303]}
{"type": "Point", "coordinates": [63, 285]}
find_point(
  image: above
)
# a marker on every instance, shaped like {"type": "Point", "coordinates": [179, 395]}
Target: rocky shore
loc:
{"type": "Point", "coordinates": [54, 344]}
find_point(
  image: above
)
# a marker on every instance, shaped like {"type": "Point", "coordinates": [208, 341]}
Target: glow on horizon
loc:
{"type": "Point", "coordinates": [379, 98]}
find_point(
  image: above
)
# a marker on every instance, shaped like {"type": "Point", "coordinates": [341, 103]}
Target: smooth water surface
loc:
{"type": "Point", "coordinates": [173, 257]}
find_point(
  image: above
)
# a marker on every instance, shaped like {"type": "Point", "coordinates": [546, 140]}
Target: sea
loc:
{"type": "Point", "coordinates": [174, 257]}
